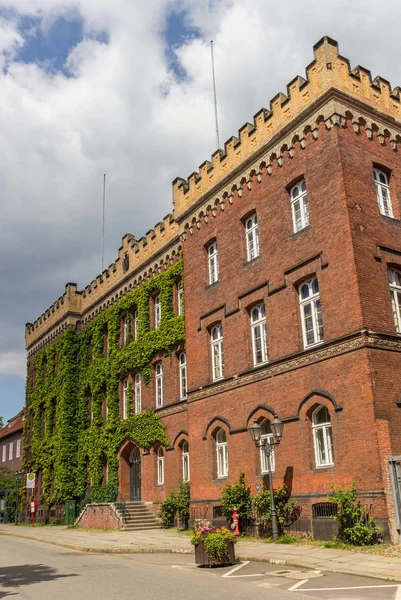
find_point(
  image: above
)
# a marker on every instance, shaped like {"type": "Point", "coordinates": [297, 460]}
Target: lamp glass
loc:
{"type": "Point", "coordinates": [277, 428]}
{"type": "Point", "coordinates": [255, 431]}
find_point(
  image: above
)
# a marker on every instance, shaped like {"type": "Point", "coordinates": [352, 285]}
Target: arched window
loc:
{"type": "Point", "coordinates": [383, 193]}
{"type": "Point", "coordinates": [212, 261]}
{"type": "Point", "coordinates": [159, 385]}
{"type": "Point", "coordinates": [158, 312]}
{"type": "Point", "coordinates": [394, 278]}
{"type": "Point", "coordinates": [135, 324]}
{"type": "Point", "coordinates": [183, 376]}
{"type": "Point", "coordinates": [185, 461]}
{"type": "Point", "coordinates": [125, 325]}
{"type": "Point", "coordinates": [299, 206]}
{"type": "Point", "coordinates": [252, 237]}
{"type": "Point", "coordinates": [311, 312]}
{"type": "Point", "coordinates": [221, 453]}
{"type": "Point", "coordinates": [160, 466]}
{"type": "Point", "coordinates": [266, 434]}
{"type": "Point", "coordinates": [180, 298]}
{"type": "Point", "coordinates": [125, 398]}
{"type": "Point", "coordinates": [138, 393]}
{"type": "Point", "coordinates": [259, 334]}
{"type": "Point", "coordinates": [216, 340]}
{"type": "Point", "coordinates": [322, 437]}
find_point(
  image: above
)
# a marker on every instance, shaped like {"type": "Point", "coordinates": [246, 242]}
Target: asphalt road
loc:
{"type": "Point", "coordinates": [35, 571]}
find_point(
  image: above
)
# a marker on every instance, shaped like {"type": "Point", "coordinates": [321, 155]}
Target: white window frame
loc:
{"type": "Point", "coordinates": [259, 335]}
{"type": "Point", "coordinates": [180, 298]}
{"type": "Point", "coordinates": [327, 437]}
{"type": "Point", "coordinates": [183, 375]}
{"type": "Point", "coordinates": [4, 455]}
{"type": "Point", "coordinates": [394, 279]}
{"type": "Point", "coordinates": [18, 449]}
{"type": "Point", "coordinates": [158, 312]}
{"type": "Point", "coordinates": [160, 466]}
{"type": "Point", "coordinates": [159, 385]}
{"type": "Point", "coordinates": [221, 454]}
{"type": "Point", "coordinates": [138, 393]}
{"type": "Point", "coordinates": [252, 237]}
{"type": "Point", "coordinates": [299, 206]}
{"type": "Point", "coordinates": [383, 193]}
{"type": "Point", "coordinates": [11, 451]}
{"type": "Point", "coordinates": [125, 329]}
{"type": "Point", "coordinates": [185, 461]}
{"type": "Point", "coordinates": [216, 341]}
{"type": "Point", "coordinates": [264, 460]}
{"type": "Point", "coordinates": [312, 303]}
{"type": "Point", "coordinates": [125, 398]}
{"type": "Point", "coordinates": [136, 322]}
{"type": "Point", "coordinates": [213, 262]}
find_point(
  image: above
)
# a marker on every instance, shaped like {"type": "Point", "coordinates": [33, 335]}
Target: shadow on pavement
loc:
{"type": "Point", "coordinates": [20, 575]}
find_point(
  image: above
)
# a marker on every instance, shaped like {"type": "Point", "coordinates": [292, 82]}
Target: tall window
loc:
{"type": "Point", "coordinates": [299, 206]}
{"type": "Point", "coordinates": [125, 329]}
{"type": "Point", "coordinates": [18, 449]}
{"type": "Point", "coordinates": [383, 193]}
{"type": "Point", "coordinates": [185, 461]}
{"type": "Point", "coordinates": [221, 452]}
{"type": "Point", "coordinates": [252, 237]}
{"type": "Point", "coordinates": [158, 312]}
{"type": "Point", "coordinates": [322, 437]}
{"type": "Point", "coordinates": [311, 312]}
{"type": "Point", "coordinates": [266, 434]}
{"type": "Point", "coordinates": [159, 385]}
{"type": "Point", "coordinates": [136, 321]}
{"type": "Point", "coordinates": [4, 455]}
{"type": "Point", "coordinates": [394, 278]}
{"type": "Point", "coordinates": [138, 394]}
{"type": "Point", "coordinates": [105, 342]}
{"type": "Point", "coordinates": [259, 334]}
{"type": "Point", "coordinates": [11, 451]}
{"type": "Point", "coordinates": [125, 398]}
{"type": "Point", "coordinates": [183, 375]}
{"type": "Point", "coordinates": [213, 264]}
{"type": "Point", "coordinates": [160, 466]}
{"type": "Point", "coordinates": [216, 339]}
{"type": "Point", "coordinates": [180, 298]}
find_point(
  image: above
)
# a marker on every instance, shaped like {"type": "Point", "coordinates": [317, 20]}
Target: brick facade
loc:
{"type": "Point", "coordinates": [11, 443]}
{"type": "Point", "coordinates": [331, 136]}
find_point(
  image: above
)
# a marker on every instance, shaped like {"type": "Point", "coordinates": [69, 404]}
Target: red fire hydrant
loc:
{"type": "Point", "coordinates": [234, 525]}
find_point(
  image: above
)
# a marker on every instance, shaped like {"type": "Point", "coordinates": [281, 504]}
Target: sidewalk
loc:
{"type": "Point", "coordinates": [155, 540]}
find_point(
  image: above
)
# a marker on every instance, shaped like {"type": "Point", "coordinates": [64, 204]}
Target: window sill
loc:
{"type": "Point", "coordinates": [390, 219]}
{"type": "Point", "coordinates": [210, 286]}
{"type": "Point", "coordinates": [323, 468]}
{"type": "Point", "coordinates": [300, 231]}
{"type": "Point", "coordinates": [314, 345]}
{"type": "Point", "coordinates": [159, 485]}
{"type": "Point", "coordinates": [252, 261]}
{"type": "Point", "coordinates": [218, 479]}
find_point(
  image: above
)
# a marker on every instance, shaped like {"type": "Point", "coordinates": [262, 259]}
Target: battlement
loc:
{"type": "Point", "coordinates": [132, 255]}
{"type": "Point", "coordinates": [328, 70]}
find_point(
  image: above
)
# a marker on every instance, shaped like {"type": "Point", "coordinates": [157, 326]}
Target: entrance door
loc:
{"type": "Point", "coordinates": [135, 475]}
{"type": "Point", "coordinates": [395, 474]}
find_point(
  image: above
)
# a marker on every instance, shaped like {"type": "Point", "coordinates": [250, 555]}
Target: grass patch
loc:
{"type": "Point", "coordinates": [287, 539]}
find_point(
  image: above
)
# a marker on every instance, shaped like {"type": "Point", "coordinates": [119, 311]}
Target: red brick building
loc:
{"type": "Point", "coordinates": [11, 443]}
{"type": "Point", "coordinates": [291, 239]}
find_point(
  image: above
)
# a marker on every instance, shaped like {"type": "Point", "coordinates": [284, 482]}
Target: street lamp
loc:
{"type": "Point", "coordinates": [267, 445]}
{"type": "Point", "coordinates": [18, 477]}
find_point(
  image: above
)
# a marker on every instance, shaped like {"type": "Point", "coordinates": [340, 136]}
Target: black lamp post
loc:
{"type": "Point", "coordinates": [18, 477]}
{"type": "Point", "coordinates": [277, 430]}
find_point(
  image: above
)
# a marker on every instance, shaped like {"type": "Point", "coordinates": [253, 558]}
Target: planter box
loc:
{"type": "Point", "coordinates": [202, 559]}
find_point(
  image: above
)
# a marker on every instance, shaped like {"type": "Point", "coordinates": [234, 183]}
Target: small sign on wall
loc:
{"type": "Point", "coordinates": [30, 481]}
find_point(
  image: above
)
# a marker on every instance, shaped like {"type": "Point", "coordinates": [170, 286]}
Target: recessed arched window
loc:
{"type": "Point", "coordinates": [160, 466]}
{"type": "Point", "coordinates": [311, 312]}
{"type": "Point", "coordinates": [322, 437]}
{"type": "Point", "coordinates": [185, 460]}
{"type": "Point", "coordinates": [138, 393]}
{"type": "Point", "coordinates": [266, 434]}
{"type": "Point", "coordinates": [180, 298]}
{"type": "Point", "coordinates": [252, 237]}
{"type": "Point", "coordinates": [383, 192]}
{"type": "Point", "coordinates": [125, 326]}
{"type": "Point", "coordinates": [159, 385]}
{"type": "Point", "coordinates": [394, 278]}
{"type": "Point", "coordinates": [213, 262]}
{"type": "Point", "coordinates": [221, 453]}
{"type": "Point", "coordinates": [135, 324]}
{"type": "Point", "coordinates": [125, 398]}
{"type": "Point", "coordinates": [259, 334]}
{"type": "Point", "coordinates": [158, 312]}
{"type": "Point", "coordinates": [216, 341]}
{"type": "Point", "coordinates": [183, 375]}
{"type": "Point", "coordinates": [299, 206]}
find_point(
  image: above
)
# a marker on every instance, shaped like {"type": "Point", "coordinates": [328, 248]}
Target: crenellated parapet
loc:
{"type": "Point", "coordinates": [329, 70]}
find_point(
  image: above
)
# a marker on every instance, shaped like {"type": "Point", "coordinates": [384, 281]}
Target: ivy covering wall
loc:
{"type": "Point", "coordinates": [64, 434]}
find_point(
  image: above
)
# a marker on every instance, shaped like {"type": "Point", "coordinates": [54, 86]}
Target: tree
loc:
{"type": "Point", "coordinates": [1, 423]}
{"type": "Point", "coordinates": [7, 483]}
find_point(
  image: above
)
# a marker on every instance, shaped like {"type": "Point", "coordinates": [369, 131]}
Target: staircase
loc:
{"type": "Point", "coordinates": [139, 517]}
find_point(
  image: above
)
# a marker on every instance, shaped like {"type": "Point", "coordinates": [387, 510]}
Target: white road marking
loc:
{"type": "Point", "coordinates": [297, 585]}
{"type": "Point", "coordinates": [398, 594]}
{"type": "Point", "coordinates": [246, 562]}
{"type": "Point", "coordinates": [359, 587]}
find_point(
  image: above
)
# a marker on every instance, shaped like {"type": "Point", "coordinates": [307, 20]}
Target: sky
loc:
{"type": "Point", "coordinates": [124, 88]}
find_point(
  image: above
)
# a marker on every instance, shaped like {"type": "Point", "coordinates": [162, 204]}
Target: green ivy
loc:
{"type": "Point", "coordinates": [73, 370]}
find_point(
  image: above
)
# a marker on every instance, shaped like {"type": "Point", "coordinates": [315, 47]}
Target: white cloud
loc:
{"type": "Point", "coordinates": [13, 363]}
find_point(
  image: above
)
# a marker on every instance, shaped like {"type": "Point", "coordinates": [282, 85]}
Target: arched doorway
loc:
{"type": "Point", "coordinates": [135, 474]}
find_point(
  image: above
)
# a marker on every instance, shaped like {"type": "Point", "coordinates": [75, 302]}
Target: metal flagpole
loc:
{"type": "Point", "coordinates": [215, 97]}
{"type": "Point", "coordinates": [104, 206]}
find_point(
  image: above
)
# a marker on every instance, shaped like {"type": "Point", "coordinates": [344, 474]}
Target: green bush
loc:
{"type": "Point", "coordinates": [287, 539]}
{"type": "Point", "coordinates": [176, 505]}
{"type": "Point", "coordinates": [354, 524]}
{"type": "Point", "coordinates": [237, 495]}
{"type": "Point", "coordinates": [7, 482]}
{"type": "Point", "coordinates": [287, 510]}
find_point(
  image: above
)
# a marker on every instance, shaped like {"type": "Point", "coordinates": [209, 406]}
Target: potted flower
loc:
{"type": "Point", "coordinates": [214, 546]}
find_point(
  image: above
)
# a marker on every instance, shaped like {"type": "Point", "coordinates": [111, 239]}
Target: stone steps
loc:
{"type": "Point", "coordinates": [139, 518]}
